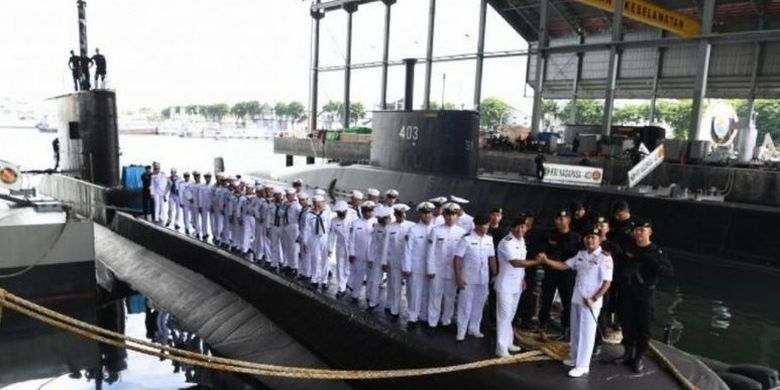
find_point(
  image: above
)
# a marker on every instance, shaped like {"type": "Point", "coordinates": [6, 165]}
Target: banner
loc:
{"type": "Point", "coordinates": [647, 165]}
{"type": "Point", "coordinates": [572, 174]}
{"type": "Point", "coordinates": [10, 176]}
{"type": "Point", "coordinates": [653, 15]}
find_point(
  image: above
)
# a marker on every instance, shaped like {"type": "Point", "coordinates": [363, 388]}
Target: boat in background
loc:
{"type": "Point", "coordinates": [137, 127]}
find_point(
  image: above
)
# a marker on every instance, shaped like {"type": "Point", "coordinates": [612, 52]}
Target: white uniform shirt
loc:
{"type": "Point", "coordinates": [360, 237]}
{"type": "Point", "coordinates": [475, 252]}
{"type": "Point", "coordinates": [441, 248]}
{"type": "Point", "coordinates": [396, 243]}
{"type": "Point", "coordinates": [438, 220]}
{"type": "Point", "coordinates": [293, 212]}
{"type": "Point", "coordinates": [353, 213]}
{"type": "Point", "coordinates": [510, 278]}
{"type": "Point", "coordinates": [466, 222]}
{"type": "Point", "coordinates": [416, 249]}
{"type": "Point", "coordinates": [313, 225]}
{"type": "Point", "coordinates": [338, 236]}
{"type": "Point", "coordinates": [593, 269]}
{"type": "Point", "coordinates": [275, 215]}
{"type": "Point", "coordinates": [159, 184]}
{"type": "Point", "coordinates": [172, 190]}
{"type": "Point", "coordinates": [204, 196]}
{"type": "Point", "coordinates": [380, 240]}
{"type": "Point", "coordinates": [188, 192]}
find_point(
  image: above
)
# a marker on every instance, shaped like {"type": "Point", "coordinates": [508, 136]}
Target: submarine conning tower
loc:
{"type": "Point", "coordinates": [443, 142]}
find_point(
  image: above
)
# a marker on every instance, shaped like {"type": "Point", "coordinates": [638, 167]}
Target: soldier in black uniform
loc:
{"type": "Point", "coordinates": [608, 314]}
{"type": "Point", "coordinates": [581, 219]}
{"type": "Point", "coordinates": [100, 67]}
{"type": "Point", "coordinates": [560, 244]}
{"type": "Point", "coordinates": [74, 63]}
{"type": "Point", "coordinates": [534, 243]}
{"type": "Point", "coordinates": [644, 264]}
{"type": "Point", "coordinates": [498, 232]}
{"type": "Point", "coordinates": [146, 192]}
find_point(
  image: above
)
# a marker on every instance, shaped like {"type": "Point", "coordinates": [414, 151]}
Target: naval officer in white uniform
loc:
{"type": "Point", "coordinates": [414, 265]}
{"type": "Point", "coordinates": [441, 247]}
{"type": "Point", "coordinates": [509, 284]}
{"type": "Point", "coordinates": [594, 275]}
{"type": "Point", "coordinates": [338, 239]}
{"type": "Point", "coordinates": [475, 264]}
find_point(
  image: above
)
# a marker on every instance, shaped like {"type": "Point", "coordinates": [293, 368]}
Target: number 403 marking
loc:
{"type": "Point", "coordinates": [409, 133]}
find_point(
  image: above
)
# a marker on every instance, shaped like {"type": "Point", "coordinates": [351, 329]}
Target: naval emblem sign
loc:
{"type": "Point", "coordinates": [572, 174]}
{"type": "Point", "coordinates": [9, 176]}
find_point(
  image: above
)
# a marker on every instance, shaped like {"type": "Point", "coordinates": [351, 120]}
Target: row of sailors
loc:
{"type": "Point", "coordinates": [446, 254]}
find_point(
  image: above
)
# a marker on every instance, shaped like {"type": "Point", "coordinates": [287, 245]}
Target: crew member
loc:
{"type": "Point", "coordinates": [512, 260]}
{"type": "Point", "coordinates": [475, 266]}
{"type": "Point", "coordinates": [290, 243]}
{"type": "Point", "coordinates": [204, 206]}
{"type": "Point", "coordinates": [194, 202]}
{"type": "Point", "coordinates": [414, 265]}
{"type": "Point", "coordinates": [74, 64]}
{"type": "Point", "coordinates": [305, 258]}
{"type": "Point", "coordinates": [594, 274]}
{"type": "Point", "coordinates": [529, 300]}
{"type": "Point", "coordinates": [185, 195]}
{"type": "Point", "coordinates": [100, 67]}
{"type": "Point", "coordinates": [314, 235]}
{"type": "Point", "coordinates": [561, 243]}
{"type": "Point", "coordinates": [359, 243]}
{"type": "Point", "coordinates": [354, 206]}
{"type": "Point", "coordinates": [373, 195]}
{"type": "Point", "coordinates": [159, 183]}
{"type": "Point", "coordinates": [441, 251]}
{"type": "Point", "coordinates": [644, 264]}
{"type": "Point", "coordinates": [397, 232]}
{"type": "Point", "coordinates": [377, 255]}
{"type": "Point", "coordinates": [338, 240]}
{"type": "Point", "coordinates": [391, 197]}
{"type": "Point", "coordinates": [174, 201]}
{"type": "Point", "coordinates": [581, 219]}
{"type": "Point", "coordinates": [438, 202]}
{"type": "Point", "coordinates": [275, 228]}
{"type": "Point", "coordinates": [465, 220]}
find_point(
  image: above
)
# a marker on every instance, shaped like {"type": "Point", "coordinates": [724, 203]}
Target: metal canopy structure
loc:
{"type": "Point", "coordinates": [580, 51]}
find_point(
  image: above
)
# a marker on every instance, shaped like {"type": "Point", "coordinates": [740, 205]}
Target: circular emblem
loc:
{"type": "Point", "coordinates": [596, 176]}
{"type": "Point", "coordinates": [8, 175]}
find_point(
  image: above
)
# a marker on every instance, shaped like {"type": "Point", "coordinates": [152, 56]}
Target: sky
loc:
{"type": "Point", "coordinates": [176, 52]}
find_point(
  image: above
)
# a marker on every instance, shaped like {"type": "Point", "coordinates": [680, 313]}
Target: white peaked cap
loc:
{"type": "Point", "coordinates": [400, 207]}
{"type": "Point", "coordinates": [320, 191]}
{"type": "Point", "coordinates": [278, 191]}
{"type": "Point", "coordinates": [382, 211]}
{"type": "Point", "coordinates": [373, 192]}
{"type": "Point", "coordinates": [458, 200]}
{"type": "Point", "coordinates": [357, 194]}
{"type": "Point", "coordinates": [303, 196]}
{"type": "Point", "coordinates": [340, 206]}
{"type": "Point", "coordinates": [319, 198]}
{"type": "Point", "coordinates": [391, 192]}
{"type": "Point", "coordinates": [291, 191]}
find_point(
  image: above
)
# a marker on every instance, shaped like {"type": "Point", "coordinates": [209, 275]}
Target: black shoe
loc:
{"type": "Point", "coordinates": [370, 309]}
{"type": "Point", "coordinates": [167, 223]}
{"type": "Point", "coordinates": [638, 366]}
{"type": "Point", "coordinates": [312, 286]}
{"type": "Point", "coordinates": [626, 358]}
{"type": "Point", "coordinates": [411, 325]}
{"type": "Point", "coordinates": [176, 227]}
{"type": "Point", "coordinates": [355, 300]}
{"type": "Point", "coordinates": [339, 294]}
{"type": "Point", "coordinates": [394, 317]}
{"type": "Point", "coordinates": [323, 286]}
{"type": "Point", "coordinates": [387, 310]}
{"type": "Point", "coordinates": [430, 329]}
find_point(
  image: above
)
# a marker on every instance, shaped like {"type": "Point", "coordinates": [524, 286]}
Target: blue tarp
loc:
{"type": "Point", "coordinates": [131, 181]}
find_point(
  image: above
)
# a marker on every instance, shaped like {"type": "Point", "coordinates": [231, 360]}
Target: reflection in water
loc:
{"type": "Point", "coordinates": [724, 313]}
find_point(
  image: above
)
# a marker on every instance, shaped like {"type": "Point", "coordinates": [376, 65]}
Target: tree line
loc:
{"type": "Point", "coordinates": [292, 111]}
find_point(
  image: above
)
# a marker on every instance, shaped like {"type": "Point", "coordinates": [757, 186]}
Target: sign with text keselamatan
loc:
{"type": "Point", "coordinates": [653, 15]}
{"type": "Point", "coordinates": [647, 165]}
{"type": "Point", "coordinates": [572, 174]}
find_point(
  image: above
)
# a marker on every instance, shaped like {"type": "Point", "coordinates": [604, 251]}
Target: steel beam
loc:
{"type": "Point", "coordinates": [758, 54]}
{"type": "Point", "coordinates": [480, 55]}
{"type": "Point", "coordinates": [541, 63]}
{"type": "Point", "coordinates": [385, 55]}
{"type": "Point", "coordinates": [612, 67]}
{"type": "Point", "coordinates": [83, 48]}
{"type": "Point", "coordinates": [659, 65]}
{"type": "Point", "coordinates": [575, 85]}
{"type": "Point", "coordinates": [350, 9]}
{"type": "Point", "coordinates": [315, 73]}
{"type": "Point", "coordinates": [429, 56]}
{"type": "Point", "coordinates": [702, 70]}
{"type": "Point", "coordinates": [338, 4]}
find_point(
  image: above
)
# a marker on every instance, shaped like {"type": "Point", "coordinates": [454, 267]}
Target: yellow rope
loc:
{"type": "Point", "coordinates": [121, 341]}
{"type": "Point", "coordinates": [687, 384]}
{"type": "Point", "coordinates": [3, 293]}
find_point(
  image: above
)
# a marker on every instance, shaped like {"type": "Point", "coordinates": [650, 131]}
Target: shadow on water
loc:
{"type": "Point", "coordinates": [726, 313]}
{"type": "Point", "coordinates": [35, 355]}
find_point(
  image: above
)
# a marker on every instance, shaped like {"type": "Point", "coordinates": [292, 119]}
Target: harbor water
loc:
{"type": "Point", "coordinates": [724, 313]}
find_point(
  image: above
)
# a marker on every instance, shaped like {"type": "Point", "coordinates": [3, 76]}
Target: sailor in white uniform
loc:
{"type": "Point", "coordinates": [475, 264]}
{"type": "Point", "coordinates": [396, 250]}
{"type": "Point", "coordinates": [359, 242]}
{"type": "Point", "coordinates": [247, 219]}
{"type": "Point", "coordinates": [305, 269]}
{"type": "Point", "coordinates": [465, 220]}
{"type": "Point", "coordinates": [338, 241]}
{"type": "Point", "coordinates": [415, 265]}
{"type": "Point", "coordinates": [373, 195]}
{"type": "Point", "coordinates": [157, 189]}
{"type": "Point", "coordinates": [391, 197]}
{"type": "Point", "coordinates": [290, 242]}
{"type": "Point", "coordinates": [218, 209]}
{"type": "Point", "coordinates": [441, 272]}
{"type": "Point", "coordinates": [260, 212]}
{"type": "Point", "coordinates": [354, 212]}
{"type": "Point", "coordinates": [377, 255]}
{"type": "Point", "coordinates": [204, 206]}
{"type": "Point", "coordinates": [594, 275]}
{"type": "Point", "coordinates": [184, 194]}
{"type": "Point", "coordinates": [314, 234]}
{"type": "Point", "coordinates": [195, 188]}
{"type": "Point", "coordinates": [227, 213]}
{"type": "Point", "coordinates": [173, 192]}
{"type": "Point", "coordinates": [275, 228]}
{"type": "Point", "coordinates": [509, 284]}
{"type": "Point", "coordinates": [438, 202]}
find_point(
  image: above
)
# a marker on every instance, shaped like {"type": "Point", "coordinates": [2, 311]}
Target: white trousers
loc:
{"type": "Point", "coordinates": [173, 209]}
{"type": "Point", "coordinates": [417, 297]}
{"type": "Point", "coordinates": [441, 300]}
{"type": "Point", "coordinates": [317, 256]}
{"type": "Point", "coordinates": [394, 285]}
{"type": "Point", "coordinates": [506, 306]}
{"type": "Point", "coordinates": [237, 233]}
{"type": "Point", "coordinates": [205, 220]}
{"type": "Point", "coordinates": [227, 230]}
{"type": "Point", "coordinates": [247, 234]}
{"type": "Point", "coordinates": [342, 267]}
{"type": "Point", "coordinates": [373, 283]}
{"type": "Point", "coordinates": [275, 253]}
{"type": "Point", "coordinates": [290, 247]}
{"type": "Point", "coordinates": [259, 244]}
{"type": "Point", "coordinates": [357, 274]}
{"type": "Point", "coordinates": [470, 306]}
{"type": "Point", "coordinates": [583, 334]}
{"type": "Point", "coordinates": [305, 261]}
{"type": "Point", "coordinates": [158, 207]}
{"type": "Point", "coordinates": [219, 223]}
{"type": "Point", "coordinates": [324, 265]}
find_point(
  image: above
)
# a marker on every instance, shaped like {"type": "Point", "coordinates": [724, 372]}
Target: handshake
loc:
{"type": "Point", "coordinates": [542, 258]}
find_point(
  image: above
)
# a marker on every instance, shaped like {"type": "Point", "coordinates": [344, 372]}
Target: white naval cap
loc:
{"type": "Point", "coordinates": [425, 207]}
{"type": "Point", "coordinates": [297, 182]}
{"type": "Point", "coordinates": [259, 186]}
{"type": "Point", "coordinates": [318, 198]}
{"type": "Point", "coordinates": [278, 191]}
{"type": "Point", "coordinates": [382, 212]}
{"type": "Point", "coordinates": [269, 186]}
{"type": "Point", "coordinates": [340, 206]}
{"type": "Point", "coordinates": [458, 200]}
{"type": "Point", "coordinates": [451, 208]}
{"type": "Point", "coordinates": [303, 196]}
{"type": "Point", "coordinates": [391, 193]}
{"type": "Point", "coordinates": [438, 201]}
{"type": "Point", "coordinates": [320, 191]}
{"type": "Point", "coordinates": [401, 208]}
{"type": "Point", "coordinates": [368, 204]}
{"type": "Point", "coordinates": [373, 192]}
{"type": "Point", "coordinates": [291, 191]}
{"type": "Point", "coordinates": [357, 194]}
